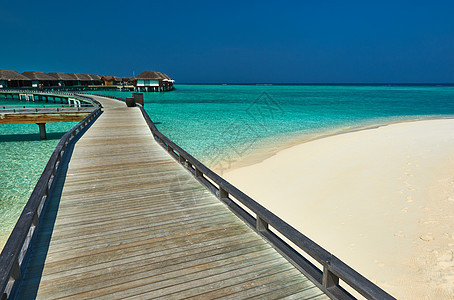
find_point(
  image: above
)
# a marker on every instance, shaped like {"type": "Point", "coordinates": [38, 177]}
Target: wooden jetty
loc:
{"type": "Point", "coordinates": [127, 218]}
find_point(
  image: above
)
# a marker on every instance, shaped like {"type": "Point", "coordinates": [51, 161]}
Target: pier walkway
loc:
{"type": "Point", "coordinates": [127, 220]}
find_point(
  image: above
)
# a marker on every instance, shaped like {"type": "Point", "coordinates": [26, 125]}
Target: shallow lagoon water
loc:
{"type": "Point", "coordinates": [212, 121]}
{"type": "Point", "coordinates": [222, 123]}
{"type": "Point", "coordinates": [23, 158]}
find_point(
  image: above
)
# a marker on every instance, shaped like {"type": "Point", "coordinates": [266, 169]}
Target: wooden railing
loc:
{"type": "Point", "coordinates": [15, 251]}
{"type": "Point", "coordinates": [102, 95]}
{"type": "Point", "coordinates": [30, 109]}
{"type": "Point", "coordinates": [266, 223]}
{"type": "Point", "coordinates": [88, 100]}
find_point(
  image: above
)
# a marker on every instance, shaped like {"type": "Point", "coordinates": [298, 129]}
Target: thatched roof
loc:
{"type": "Point", "coordinates": [107, 77]}
{"type": "Point", "coordinates": [165, 77]}
{"type": "Point", "coordinates": [32, 75]}
{"type": "Point", "coordinates": [124, 79]}
{"type": "Point", "coordinates": [63, 76]}
{"type": "Point", "coordinates": [11, 75]}
{"type": "Point", "coordinates": [94, 77]}
{"type": "Point", "coordinates": [161, 75]}
{"type": "Point", "coordinates": [81, 77]}
{"type": "Point", "coordinates": [149, 75]}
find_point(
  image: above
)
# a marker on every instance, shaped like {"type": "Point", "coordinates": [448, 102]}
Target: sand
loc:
{"type": "Point", "coordinates": [381, 199]}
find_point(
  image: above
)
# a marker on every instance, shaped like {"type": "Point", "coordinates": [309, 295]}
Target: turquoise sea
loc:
{"type": "Point", "coordinates": [219, 124]}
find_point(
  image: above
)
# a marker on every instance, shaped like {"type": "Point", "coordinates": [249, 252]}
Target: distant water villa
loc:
{"type": "Point", "coordinates": [147, 81]}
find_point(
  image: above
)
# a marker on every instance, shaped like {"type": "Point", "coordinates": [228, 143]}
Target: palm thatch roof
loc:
{"type": "Point", "coordinates": [165, 77]}
{"type": "Point", "coordinates": [124, 79]}
{"type": "Point", "coordinates": [94, 77]}
{"type": "Point", "coordinates": [32, 75]}
{"type": "Point", "coordinates": [11, 75]}
{"type": "Point", "coordinates": [107, 77]}
{"type": "Point", "coordinates": [81, 77]}
{"type": "Point", "coordinates": [161, 75]}
{"type": "Point", "coordinates": [63, 76]}
{"type": "Point", "coordinates": [149, 75]}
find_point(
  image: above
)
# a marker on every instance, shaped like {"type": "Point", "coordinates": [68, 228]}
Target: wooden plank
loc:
{"type": "Point", "coordinates": [129, 272]}
{"type": "Point", "coordinates": [24, 118]}
{"type": "Point", "coordinates": [284, 286]}
{"type": "Point", "coordinates": [261, 272]}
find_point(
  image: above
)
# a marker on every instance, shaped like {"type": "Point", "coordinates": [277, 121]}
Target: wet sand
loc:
{"type": "Point", "coordinates": [380, 199]}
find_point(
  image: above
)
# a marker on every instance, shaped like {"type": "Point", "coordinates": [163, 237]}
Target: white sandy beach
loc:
{"type": "Point", "coordinates": [382, 200]}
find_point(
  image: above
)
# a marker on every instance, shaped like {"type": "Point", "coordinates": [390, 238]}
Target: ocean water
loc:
{"type": "Point", "coordinates": [23, 157]}
{"type": "Point", "coordinates": [220, 124]}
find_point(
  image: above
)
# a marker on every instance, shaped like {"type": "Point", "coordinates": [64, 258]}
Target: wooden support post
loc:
{"type": "Point", "coordinates": [42, 131]}
{"type": "Point", "coordinates": [182, 159]}
{"type": "Point", "coordinates": [198, 173]}
{"type": "Point", "coordinates": [261, 225]}
{"type": "Point", "coordinates": [329, 279]}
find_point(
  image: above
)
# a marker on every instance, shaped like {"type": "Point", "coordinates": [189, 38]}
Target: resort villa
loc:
{"type": "Point", "coordinates": [147, 81]}
{"type": "Point", "coordinates": [12, 79]}
{"type": "Point", "coordinates": [153, 81]}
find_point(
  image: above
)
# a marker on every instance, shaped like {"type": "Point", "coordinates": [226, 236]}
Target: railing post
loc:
{"type": "Point", "coordinates": [329, 279]}
{"type": "Point", "coordinates": [169, 149]}
{"type": "Point", "coordinates": [223, 193]}
{"type": "Point", "coordinates": [198, 173]}
{"type": "Point", "coordinates": [16, 273]}
{"type": "Point", "coordinates": [261, 225]}
{"type": "Point", "coordinates": [181, 158]}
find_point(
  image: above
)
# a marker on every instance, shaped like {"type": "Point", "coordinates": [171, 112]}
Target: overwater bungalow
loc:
{"type": "Point", "coordinates": [64, 79]}
{"type": "Point", "coordinates": [147, 81]}
{"type": "Point", "coordinates": [40, 79]}
{"type": "Point", "coordinates": [13, 79]}
{"type": "Point", "coordinates": [152, 81]}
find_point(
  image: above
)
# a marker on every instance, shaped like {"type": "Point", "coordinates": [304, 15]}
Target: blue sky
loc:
{"type": "Point", "coordinates": [234, 41]}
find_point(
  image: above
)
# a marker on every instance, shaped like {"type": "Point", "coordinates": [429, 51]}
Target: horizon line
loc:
{"type": "Point", "coordinates": [259, 83]}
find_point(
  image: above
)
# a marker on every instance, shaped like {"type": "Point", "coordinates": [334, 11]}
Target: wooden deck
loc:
{"type": "Point", "coordinates": [126, 220]}
{"type": "Point", "coordinates": [44, 115]}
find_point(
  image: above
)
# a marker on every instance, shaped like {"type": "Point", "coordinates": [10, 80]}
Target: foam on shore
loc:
{"type": "Point", "coordinates": [381, 199]}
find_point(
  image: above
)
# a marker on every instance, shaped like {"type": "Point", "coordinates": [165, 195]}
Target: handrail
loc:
{"type": "Point", "coordinates": [37, 105]}
{"type": "Point", "coordinates": [64, 109]}
{"type": "Point", "coordinates": [333, 268]}
{"type": "Point", "coordinates": [105, 96]}
{"type": "Point", "coordinates": [55, 93]}
{"type": "Point", "coordinates": [16, 248]}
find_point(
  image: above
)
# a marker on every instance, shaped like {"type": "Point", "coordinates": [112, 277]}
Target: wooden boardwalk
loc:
{"type": "Point", "coordinates": [127, 221]}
